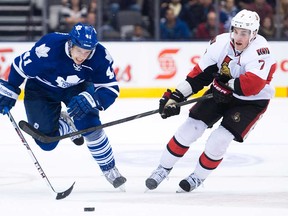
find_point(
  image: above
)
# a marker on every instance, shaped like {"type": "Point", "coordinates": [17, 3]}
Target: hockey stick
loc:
{"type": "Point", "coordinates": [60, 195]}
{"type": "Point", "coordinates": [36, 134]}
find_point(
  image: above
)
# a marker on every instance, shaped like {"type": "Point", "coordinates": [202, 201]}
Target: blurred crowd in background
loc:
{"type": "Point", "coordinates": [150, 20]}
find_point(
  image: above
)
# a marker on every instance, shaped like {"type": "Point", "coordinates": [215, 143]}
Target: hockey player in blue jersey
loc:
{"type": "Point", "coordinates": [72, 69]}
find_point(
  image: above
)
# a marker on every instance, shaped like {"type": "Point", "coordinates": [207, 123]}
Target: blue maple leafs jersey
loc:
{"type": "Point", "coordinates": [50, 63]}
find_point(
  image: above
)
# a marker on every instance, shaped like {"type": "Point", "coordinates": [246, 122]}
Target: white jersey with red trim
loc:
{"type": "Point", "coordinates": [253, 68]}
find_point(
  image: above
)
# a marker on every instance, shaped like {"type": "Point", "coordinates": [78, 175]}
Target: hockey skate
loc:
{"type": "Point", "coordinates": [190, 183]}
{"type": "Point", "coordinates": [67, 126]}
{"type": "Point", "coordinates": [157, 177]}
{"type": "Point", "coordinates": [115, 178]}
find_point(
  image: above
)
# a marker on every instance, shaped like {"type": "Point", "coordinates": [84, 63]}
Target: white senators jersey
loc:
{"type": "Point", "coordinates": [250, 71]}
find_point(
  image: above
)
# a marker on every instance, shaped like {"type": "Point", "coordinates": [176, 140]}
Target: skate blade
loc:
{"type": "Point", "coordinates": [122, 188]}
{"type": "Point", "coordinates": [180, 190]}
{"type": "Point", "coordinates": [146, 190]}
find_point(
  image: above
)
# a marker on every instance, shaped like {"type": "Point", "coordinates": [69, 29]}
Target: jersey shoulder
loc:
{"type": "Point", "coordinates": [53, 39]}
{"type": "Point", "coordinates": [258, 49]}
{"type": "Point", "coordinates": [223, 37]}
{"type": "Point", "coordinates": [219, 42]}
{"type": "Point", "coordinates": [51, 43]}
{"type": "Point", "coordinates": [101, 56]}
{"type": "Point", "coordinates": [259, 42]}
{"type": "Point", "coordinates": [101, 63]}
{"type": "Point", "coordinates": [217, 46]}
{"type": "Point", "coordinates": [45, 54]}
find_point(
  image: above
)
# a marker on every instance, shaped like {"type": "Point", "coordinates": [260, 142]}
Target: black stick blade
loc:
{"type": "Point", "coordinates": [36, 134]}
{"type": "Point", "coordinates": [29, 129]}
{"type": "Point", "coordinates": [64, 194]}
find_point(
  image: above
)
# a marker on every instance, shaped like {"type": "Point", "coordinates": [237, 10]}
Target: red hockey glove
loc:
{"type": "Point", "coordinates": [167, 104]}
{"type": "Point", "coordinates": [222, 93]}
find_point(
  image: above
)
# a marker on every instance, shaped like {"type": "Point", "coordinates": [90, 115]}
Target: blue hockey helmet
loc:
{"type": "Point", "coordinates": [84, 36]}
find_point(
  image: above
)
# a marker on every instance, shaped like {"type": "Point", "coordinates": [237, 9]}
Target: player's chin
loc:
{"type": "Point", "coordinates": [78, 62]}
{"type": "Point", "coordinates": [239, 46]}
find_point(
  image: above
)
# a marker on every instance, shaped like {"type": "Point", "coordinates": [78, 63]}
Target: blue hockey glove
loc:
{"type": "Point", "coordinates": [167, 104]}
{"type": "Point", "coordinates": [8, 96]}
{"type": "Point", "coordinates": [222, 93]}
{"type": "Point", "coordinates": [83, 104]}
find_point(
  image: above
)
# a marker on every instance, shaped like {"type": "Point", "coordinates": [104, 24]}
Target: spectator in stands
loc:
{"type": "Point", "coordinates": [284, 7]}
{"type": "Point", "coordinates": [268, 29]}
{"type": "Point", "coordinates": [130, 5]}
{"type": "Point", "coordinates": [261, 7]}
{"type": "Point", "coordinates": [273, 4]}
{"type": "Point", "coordinates": [172, 28]}
{"type": "Point", "coordinates": [176, 6]}
{"type": "Point", "coordinates": [209, 29]}
{"type": "Point", "coordinates": [91, 18]}
{"type": "Point", "coordinates": [73, 12]}
{"type": "Point", "coordinates": [164, 5]}
{"type": "Point", "coordinates": [148, 13]}
{"type": "Point", "coordinates": [92, 7]}
{"type": "Point", "coordinates": [228, 10]}
{"type": "Point", "coordinates": [114, 6]}
{"type": "Point", "coordinates": [242, 3]}
{"type": "Point", "coordinates": [208, 6]}
{"type": "Point", "coordinates": [92, 13]}
{"type": "Point", "coordinates": [193, 14]}
{"type": "Point", "coordinates": [107, 31]}
{"type": "Point", "coordinates": [284, 30]}
{"type": "Point", "coordinates": [138, 33]}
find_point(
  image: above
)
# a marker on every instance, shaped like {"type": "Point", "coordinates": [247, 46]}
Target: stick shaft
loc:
{"type": "Point", "coordinates": [60, 195]}
{"type": "Point", "coordinates": [46, 139]}
{"type": "Point", "coordinates": [35, 161]}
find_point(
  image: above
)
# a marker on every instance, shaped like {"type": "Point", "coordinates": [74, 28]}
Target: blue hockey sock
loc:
{"type": "Point", "coordinates": [101, 149]}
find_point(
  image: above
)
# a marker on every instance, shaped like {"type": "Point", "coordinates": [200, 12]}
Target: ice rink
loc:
{"type": "Point", "coordinates": [251, 180]}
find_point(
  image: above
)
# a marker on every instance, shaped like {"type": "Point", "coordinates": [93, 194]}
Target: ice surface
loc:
{"type": "Point", "coordinates": [252, 179]}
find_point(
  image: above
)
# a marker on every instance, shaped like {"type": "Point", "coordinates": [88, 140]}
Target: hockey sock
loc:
{"type": "Point", "coordinates": [173, 152]}
{"type": "Point", "coordinates": [208, 163]}
{"type": "Point", "coordinates": [205, 166]}
{"type": "Point", "coordinates": [100, 149]}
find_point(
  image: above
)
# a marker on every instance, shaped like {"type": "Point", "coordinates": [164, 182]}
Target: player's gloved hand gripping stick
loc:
{"type": "Point", "coordinates": [36, 134]}
{"type": "Point", "coordinates": [168, 103]}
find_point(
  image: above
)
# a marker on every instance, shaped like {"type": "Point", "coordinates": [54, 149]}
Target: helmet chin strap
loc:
{"type": "Point", "coordinates": [68, 47]}
{"type": "Point", "coordinates": [253, 36]}
{"type": "Point", "coordinates": [91, 53]}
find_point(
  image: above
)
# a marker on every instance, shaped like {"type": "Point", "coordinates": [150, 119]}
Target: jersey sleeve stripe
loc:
{"type": "Point", "coordinates": [19, 70]}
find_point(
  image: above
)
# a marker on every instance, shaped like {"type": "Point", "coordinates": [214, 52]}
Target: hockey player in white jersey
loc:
{"type": "Point", "coordinates": [239, 67]}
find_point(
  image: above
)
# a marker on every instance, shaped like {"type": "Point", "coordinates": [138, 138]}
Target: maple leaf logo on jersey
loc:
{"type": "Point", "coordinates": [70, 81]}
{"type": "Point", "coordinates": [78, 27]}
{"type": "Point", "coordinates": [42, 51]}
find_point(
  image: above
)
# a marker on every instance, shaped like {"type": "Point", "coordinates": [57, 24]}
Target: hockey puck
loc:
{"type": "Point", "coordinates": [89, 209]}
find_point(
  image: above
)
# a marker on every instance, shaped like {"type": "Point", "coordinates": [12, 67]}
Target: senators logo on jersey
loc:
{"type": "Point", "coordinates": [225, 70]}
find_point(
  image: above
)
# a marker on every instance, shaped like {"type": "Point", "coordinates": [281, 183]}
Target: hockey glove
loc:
{"type": "Point", "coordinates": [222, 93]}
{"type": "Point", "coordinates": [167, 104]}
{"type": "Point", "coordinates": [83, 104]}
{"type": "Point", "coordinates": [8, 96]}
